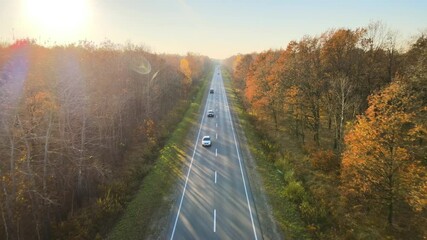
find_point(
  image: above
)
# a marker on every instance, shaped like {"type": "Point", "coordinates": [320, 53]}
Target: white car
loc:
{"type": "Point", "coordinates": [211, 113]}
{"type": "Point", "coordinates": [206, 141]}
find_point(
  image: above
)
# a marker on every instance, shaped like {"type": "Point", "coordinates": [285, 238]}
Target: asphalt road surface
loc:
{"type": "Point", "coordinates": [215, 201]}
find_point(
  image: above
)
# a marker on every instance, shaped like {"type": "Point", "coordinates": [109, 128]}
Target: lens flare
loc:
{"type": "Point", "coordinates": [141, 65]}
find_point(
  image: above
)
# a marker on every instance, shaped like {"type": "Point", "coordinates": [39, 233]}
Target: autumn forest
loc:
{"type": "Point", "coordinates": [340, 119]}
{"type": "Point", "coordinates": [343, 117]}
{"type": "Point", "coordinates": [68, 115]}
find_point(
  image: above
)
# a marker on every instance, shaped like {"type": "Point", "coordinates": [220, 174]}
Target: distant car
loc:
{"type": "Point", "coordinates": [211, 91]}
{"type": "Point", "coordinates": [206, 141]}
{"type": "Point", "coordinates": [211, 113]}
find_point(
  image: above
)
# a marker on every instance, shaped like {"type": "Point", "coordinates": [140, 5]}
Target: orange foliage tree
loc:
{"type": "Point", "coordinates": [184, 65]}
{"type": "Point", "coordinates": [262, 89]}
{"type": "Point", "coordinates": [379, 167]}
{"type": "Point", "coordinates": [240, 68]}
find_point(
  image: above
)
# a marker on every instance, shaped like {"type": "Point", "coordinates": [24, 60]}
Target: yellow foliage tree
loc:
{"type": "Point", "coordinates": [379, 167]}
{"type": "Point", "coordinates": [185, 67]}
{"type": "Point", "coordinates": [186, 70]}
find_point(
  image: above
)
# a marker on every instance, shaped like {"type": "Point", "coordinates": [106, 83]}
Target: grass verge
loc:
{"type": "Point", "coordinates": [153, 198]}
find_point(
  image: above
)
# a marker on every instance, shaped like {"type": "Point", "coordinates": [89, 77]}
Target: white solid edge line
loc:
{"type": "Point", "coordinates": [189, 170]}
{"type": "Point", "coordinates": [241, 170]}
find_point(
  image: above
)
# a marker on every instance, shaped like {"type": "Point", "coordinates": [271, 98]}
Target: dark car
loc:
{"type": "Point", "coordinates": [211, 91]}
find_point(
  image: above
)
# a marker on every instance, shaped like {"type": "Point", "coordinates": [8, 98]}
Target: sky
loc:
{"type": "Point", "coordinates": [215, 28]}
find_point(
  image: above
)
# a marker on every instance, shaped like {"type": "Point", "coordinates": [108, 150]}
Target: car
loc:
{"type": "Point", "coordinates": [211, 113]}
{"type": "Point", "coordinates": [211, 91]}
{"type": "Point", "coordinates": [206, 141]}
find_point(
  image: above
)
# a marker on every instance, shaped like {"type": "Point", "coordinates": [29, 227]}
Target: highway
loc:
{"type": "Point", "coordinates": [215, 200]}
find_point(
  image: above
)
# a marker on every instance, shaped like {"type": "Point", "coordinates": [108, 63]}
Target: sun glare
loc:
{"type": "Point", "coordinates": [63, 18]}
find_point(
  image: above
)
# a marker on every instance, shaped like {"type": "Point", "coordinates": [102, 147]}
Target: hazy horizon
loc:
{"type": "Point", "coordinates": [218, 29]}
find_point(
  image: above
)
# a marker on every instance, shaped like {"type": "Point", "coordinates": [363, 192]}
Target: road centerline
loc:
{"type": "Point", "coordinates": [214, 223]}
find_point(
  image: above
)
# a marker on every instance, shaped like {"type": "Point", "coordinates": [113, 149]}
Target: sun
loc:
{"type": "Point", "coordinates": [59, 17]}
